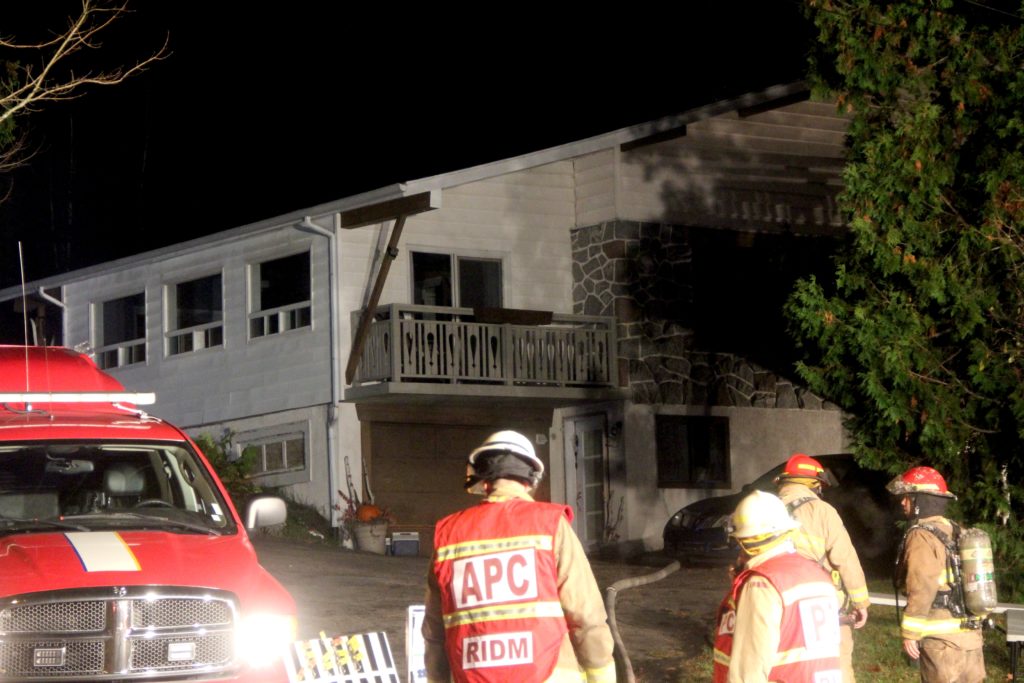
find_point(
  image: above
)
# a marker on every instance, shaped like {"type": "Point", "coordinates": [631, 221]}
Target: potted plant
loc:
{"type": "Point", "coordinates": [365, 524]}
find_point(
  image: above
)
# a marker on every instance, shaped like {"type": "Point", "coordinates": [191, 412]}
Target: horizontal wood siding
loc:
{"type": "Point", "coordinates": [595, 188]}
{"type": "Point", "coordinates": [779, 169]}
{"type": "Point", "coordinates": [243, 377]}
{"type": "Point", "coordinates": [523, 218]}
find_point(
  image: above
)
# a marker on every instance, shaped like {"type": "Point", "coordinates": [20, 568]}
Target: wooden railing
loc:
{"type": "Point", "coordinates": [409, 343]}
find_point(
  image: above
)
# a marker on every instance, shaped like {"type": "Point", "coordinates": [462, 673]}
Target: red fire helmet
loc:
{"type": "Point", "coordinates": [800, 466]}
{"type": "Point", "coordinates": [919, 480]}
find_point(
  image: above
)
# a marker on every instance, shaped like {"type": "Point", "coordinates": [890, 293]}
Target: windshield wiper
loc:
{"type": "Point", "coordinates": [10, 524]}
{"type": "Point", "coordinates": [151, 520]}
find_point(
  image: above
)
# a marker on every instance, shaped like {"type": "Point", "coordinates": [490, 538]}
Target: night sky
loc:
{"type": "Point", "coordinates": [260, 111]}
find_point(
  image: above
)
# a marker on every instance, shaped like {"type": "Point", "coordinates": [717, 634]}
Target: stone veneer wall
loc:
{"type": "Point", "coordinates": [641, 273]}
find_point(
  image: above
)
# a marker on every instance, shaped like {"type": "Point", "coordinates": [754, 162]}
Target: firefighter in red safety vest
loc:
{"type": "Point", "coordinates": [780, 619]}
{"type": "Point", "coordinates": [823, 538]}
{"type": "Point", "coordinates": [933, 626]}
{"type": "Point", "coordinates": [510, 594]}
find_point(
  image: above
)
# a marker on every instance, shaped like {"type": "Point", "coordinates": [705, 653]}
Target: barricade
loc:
{"type": "Point", "coordinates": [362, 658]}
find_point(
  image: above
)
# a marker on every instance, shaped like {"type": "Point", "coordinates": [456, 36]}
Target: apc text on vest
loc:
{"type": "Point", "coordinates": [495, 578]}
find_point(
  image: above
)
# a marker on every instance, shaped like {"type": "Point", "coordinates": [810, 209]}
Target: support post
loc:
{"type": "Point", "coordinates": [371, 306]}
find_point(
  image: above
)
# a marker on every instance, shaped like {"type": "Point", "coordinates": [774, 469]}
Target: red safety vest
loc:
{"type": "Point", "coordinates": [496, 570]}
{"type": "Point", "coordinates": [809, 632]}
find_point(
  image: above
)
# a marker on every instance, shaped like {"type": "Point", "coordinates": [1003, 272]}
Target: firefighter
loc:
{"type": "Point", "coordinates": [823, 538]}
{"type": "Point", "coordinates": [934, 628]}
{"type": "Point", "coordinates": [510, 593]}
{"type": "Point", "coordinates": [780, 619]}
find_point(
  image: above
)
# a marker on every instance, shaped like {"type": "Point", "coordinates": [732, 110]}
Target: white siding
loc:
{"type": "Point", "coordinates": [595, 188]}
{"type": "Point", "coordinates": [523, 218]}
{"type": "Point", "coordinates": [243, 377]}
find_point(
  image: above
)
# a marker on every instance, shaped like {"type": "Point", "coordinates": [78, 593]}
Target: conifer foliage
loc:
{"type": "Point", "coordinates": [920, 337]}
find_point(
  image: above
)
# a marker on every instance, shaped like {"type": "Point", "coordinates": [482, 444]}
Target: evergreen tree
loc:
{"type": "Point", "coordinates": [921, 335]}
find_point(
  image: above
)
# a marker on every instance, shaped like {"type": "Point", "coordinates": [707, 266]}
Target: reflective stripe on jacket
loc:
{"type": "Point", "coordinates": [808, 633]}
{"type": "Point", "coordinates": [924, 574]}
{"type": "Point", "coordinates": [496, 571]}
{"type": "Point", "coordinates": [823, 538]}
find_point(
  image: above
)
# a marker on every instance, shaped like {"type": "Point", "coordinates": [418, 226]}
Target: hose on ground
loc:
{"type": "Point", "coordinates": [610, 595]}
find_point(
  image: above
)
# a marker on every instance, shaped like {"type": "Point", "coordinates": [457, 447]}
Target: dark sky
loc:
{"type": "Point", "coordinates": [261, 109]}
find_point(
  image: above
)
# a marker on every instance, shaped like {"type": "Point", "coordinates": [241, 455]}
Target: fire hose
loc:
{"type": "Point", "coordinates": [610, 595]}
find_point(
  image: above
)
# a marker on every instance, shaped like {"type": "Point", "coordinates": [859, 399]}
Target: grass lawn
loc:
{"type": "Point", "coordinates": [878, 655]}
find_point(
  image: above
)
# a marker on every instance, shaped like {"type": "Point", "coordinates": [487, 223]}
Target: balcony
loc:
{"type": "Point", "coordinates": [429, 351]}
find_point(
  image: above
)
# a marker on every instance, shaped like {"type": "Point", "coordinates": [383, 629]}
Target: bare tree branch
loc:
{"type": "Point", "coordinates": [56, 79]}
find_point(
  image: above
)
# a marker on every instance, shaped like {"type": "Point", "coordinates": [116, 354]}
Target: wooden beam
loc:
{"type": "Point", "coordinates": [386, 211]}
{"type": "Point", "coordinates": [371, 306]}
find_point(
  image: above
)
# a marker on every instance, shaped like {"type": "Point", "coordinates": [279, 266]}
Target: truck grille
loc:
{"type": "Point", "coordinates": [122, 633]}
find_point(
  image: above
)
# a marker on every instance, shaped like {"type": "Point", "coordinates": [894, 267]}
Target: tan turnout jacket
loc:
{"type": "Point", "coordinates": [823, 538]}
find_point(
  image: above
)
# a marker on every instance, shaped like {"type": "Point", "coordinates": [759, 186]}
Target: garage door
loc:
{"type": "Point", "coordinates": [417, 471]}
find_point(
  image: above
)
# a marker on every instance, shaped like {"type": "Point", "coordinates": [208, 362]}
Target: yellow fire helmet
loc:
{"type": "Point", "coordinates": [760, 522]}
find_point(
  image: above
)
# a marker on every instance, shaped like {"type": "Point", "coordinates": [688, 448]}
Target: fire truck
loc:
{"type": "Point", "coordinates": [122, 557]}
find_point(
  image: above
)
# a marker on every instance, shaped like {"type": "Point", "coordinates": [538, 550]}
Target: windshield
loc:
{"type": "Point", "coordinates": [91, 486]}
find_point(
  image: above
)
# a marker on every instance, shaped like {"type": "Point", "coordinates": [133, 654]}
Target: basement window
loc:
{"type": "Point", "coordinates": [279, 452]}
{"type": "Point", "coordinates": [279, 295]}
{"type": "Point", "coordinates": [195, 311]}
{"type": "Point", "coordinates": [121, 331]}
{"type": "Point", "coordinates": [693, 452]}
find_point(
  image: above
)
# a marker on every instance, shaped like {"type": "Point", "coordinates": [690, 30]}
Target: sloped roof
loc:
{"type": "Point", "coordinates": [646, 131]}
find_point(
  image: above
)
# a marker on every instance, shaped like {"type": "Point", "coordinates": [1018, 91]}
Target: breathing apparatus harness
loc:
{"type": "Point", "coordinates": [837, 579]}
{"type": "Point", "coordinates": [971, 612]}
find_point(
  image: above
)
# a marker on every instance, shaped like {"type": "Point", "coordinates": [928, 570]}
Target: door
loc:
{"type": "Point", "coordinates": [586, 456]}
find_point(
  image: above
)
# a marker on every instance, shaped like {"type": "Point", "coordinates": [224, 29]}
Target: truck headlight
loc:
{"type": "Point", "coordinates": [262, 638]}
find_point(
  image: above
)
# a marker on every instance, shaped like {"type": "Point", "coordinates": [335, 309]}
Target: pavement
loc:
{"type": "Point", "coordinates": [346, 592]}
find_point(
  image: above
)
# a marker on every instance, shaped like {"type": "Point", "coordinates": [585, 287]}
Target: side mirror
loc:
{"type": "Point", "coordinates": [265, 511]}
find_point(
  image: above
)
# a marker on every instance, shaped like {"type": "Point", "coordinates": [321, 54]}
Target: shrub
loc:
{"type": "Point", "coordinates": [234, 469]}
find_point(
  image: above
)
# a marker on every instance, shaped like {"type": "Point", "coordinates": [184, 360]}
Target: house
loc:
{"type": "Point", "coordinates": [615, 299]}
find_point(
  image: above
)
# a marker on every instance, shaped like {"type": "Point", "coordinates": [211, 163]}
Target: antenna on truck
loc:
{"type": "Point", "coordinates": [24, 309]}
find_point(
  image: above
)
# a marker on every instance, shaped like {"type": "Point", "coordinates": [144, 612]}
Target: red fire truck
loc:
{"type": "Point", "coordinates": [121, 556]}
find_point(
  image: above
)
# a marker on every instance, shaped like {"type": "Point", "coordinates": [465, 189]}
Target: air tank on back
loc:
{"type": "Point", "coordinates": [978, 572]}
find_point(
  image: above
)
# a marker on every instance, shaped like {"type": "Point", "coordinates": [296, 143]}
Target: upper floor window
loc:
{"type": "Point", "coordinates": [195, 315]}
{"type": "Point", "coordinates": [121, 331]}
{"type": "Point", "coordinates": [36, 320]}
{"type": "Point", "coordinates": [451, 280]}
{"type": "Point", "coordinates": [279, 292]}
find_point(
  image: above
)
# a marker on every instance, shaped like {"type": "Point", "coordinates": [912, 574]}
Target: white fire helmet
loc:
{"type": "Point", "coordinates": [760, 522]}
{"type": "Point", "coordinates": [504, 454]}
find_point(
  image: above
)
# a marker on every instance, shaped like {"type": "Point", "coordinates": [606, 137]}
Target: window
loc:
{"type": "Point", "coordinates": [279, 294]}
{"type": "Point", "coordinates": [461, 281]}
{"type": "Point", "coordinates": [35, 320]}
{"type": "Point", "coordinates": [277, 453]}
{"type": "Point", "coordinates": [121, 331]}
{"type": "Point", "coordinates": [195, 315]}
{"type": "Point", "coordinates": [146, 485]}
{"type": "Point", "coordinates": [693, 452]}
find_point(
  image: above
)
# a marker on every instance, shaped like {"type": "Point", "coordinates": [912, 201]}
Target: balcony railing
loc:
{"type": "Point", "coordinates": [409, 343]}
